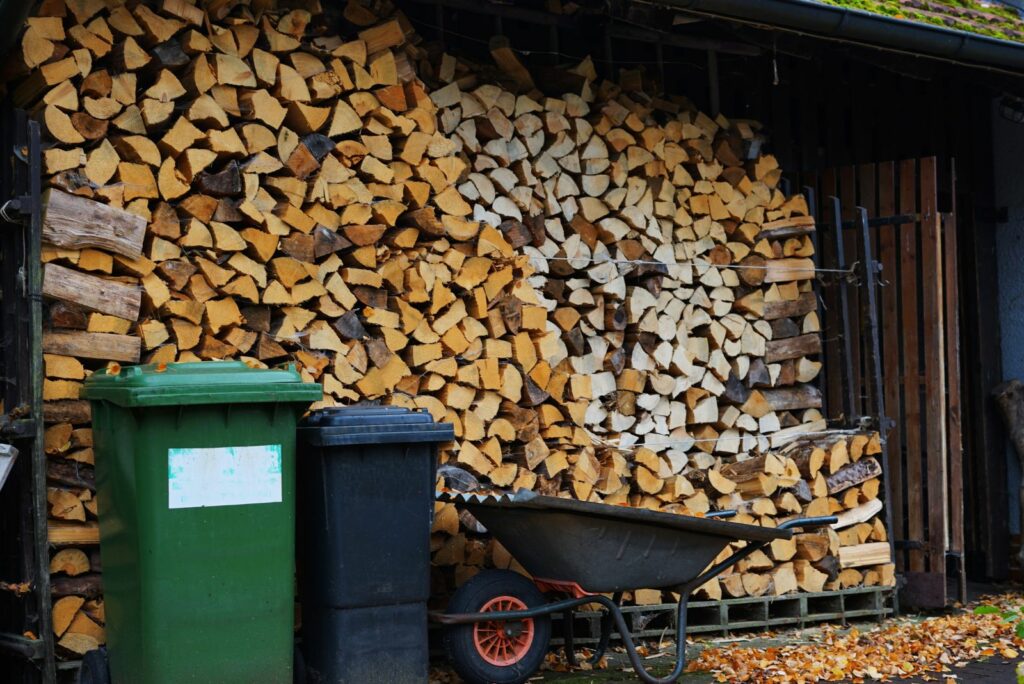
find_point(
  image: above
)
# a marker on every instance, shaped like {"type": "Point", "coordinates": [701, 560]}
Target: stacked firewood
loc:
{"type": "Point", "coordinates": [606, 293]}
{"type": "Point", "coordinates": [225, 182]}
{"type": "Point", "coordinates": [834, 473]}
{"type": "Point", "coordinates": [678, 278]}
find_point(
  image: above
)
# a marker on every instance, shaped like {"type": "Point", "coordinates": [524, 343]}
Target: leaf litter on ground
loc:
{"type": "Point", "coordinates": [930, 648]}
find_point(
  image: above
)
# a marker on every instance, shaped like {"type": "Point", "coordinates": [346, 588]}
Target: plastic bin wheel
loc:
{"type": "Point", "coordinates": [497, 652]}
{"type": "Point", "coordinates": [94, 669]}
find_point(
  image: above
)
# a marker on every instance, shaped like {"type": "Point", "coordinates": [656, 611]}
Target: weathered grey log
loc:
{"type": "Point", "coordinates": [789, 308]}
{"type": "Point", "coordinates": [92, 292]}
{"type": "Point", "coordinates": [783, 328]}
{"type": "Point", "coordinates": [793, 398]}
{"type": "Point", "coordinates": [102, 346]}
{"type": "Point", "coordinates": [75, 222]}
{"type": "Point", "coordinates": [88, 586]}
{"type": "Point", "coordinates": [74, 411]}
{"type": "Point", "coordinates": [782, 229]}
{"type": "Point", "coordinates": [792, 347]}
{"type": "Point", "coordinates": [70, 474]}
{"type": "Point", "coordinates": [853, 474]}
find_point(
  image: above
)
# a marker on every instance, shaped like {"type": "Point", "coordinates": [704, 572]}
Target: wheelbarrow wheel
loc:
{"type": "Point", "coordinates": [497, 652]}
{"type": "Point", "coordinates": [94, 668]}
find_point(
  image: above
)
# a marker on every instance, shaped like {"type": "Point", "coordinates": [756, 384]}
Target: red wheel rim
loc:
{"type": "Point", "coordinates": [503, 642]}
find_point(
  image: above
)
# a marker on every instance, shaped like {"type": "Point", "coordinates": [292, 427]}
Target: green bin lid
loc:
{"type": "Point", "coordinates": [204, 382]}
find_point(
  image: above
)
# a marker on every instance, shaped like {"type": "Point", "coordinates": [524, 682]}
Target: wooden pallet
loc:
{"type": "Point", "coordinates": [750, 613]}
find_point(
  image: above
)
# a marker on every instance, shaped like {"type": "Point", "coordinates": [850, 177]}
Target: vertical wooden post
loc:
{"type": "Point", "coordinates": [954, 423]}
{"type": "Point", "coordinates": [935, 361]}
{"type": "Point", "coordinates": [891, 328]}
{"type": "Point", "coordinates": [953, 419]}
{"type": "Point", "coordinates": [911, 363]}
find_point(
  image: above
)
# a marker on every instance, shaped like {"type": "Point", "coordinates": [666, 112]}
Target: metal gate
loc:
{"type": "Point", "coordinates": [892, 353]}
{"type": "Point", "coordinates": [26, 635]}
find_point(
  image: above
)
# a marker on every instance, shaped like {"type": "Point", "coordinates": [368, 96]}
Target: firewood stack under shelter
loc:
{"type": "Point", "coordinates": [603, 289]}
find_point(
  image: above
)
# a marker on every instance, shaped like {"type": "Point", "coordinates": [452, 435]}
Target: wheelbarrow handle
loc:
{"type": "Point", "coordinates": [818, 521]}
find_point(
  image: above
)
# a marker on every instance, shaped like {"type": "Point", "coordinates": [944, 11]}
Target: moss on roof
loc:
{"type": "Point", "coordinates": [972, 16]}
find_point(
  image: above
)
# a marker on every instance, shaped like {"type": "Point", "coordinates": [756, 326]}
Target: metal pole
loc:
{"type": "Point", "coordinates": [812, 209]}
{"type": "Point", "coordinates": [850, 409]}
{"type": "Point", "coordinates": [871, 270]}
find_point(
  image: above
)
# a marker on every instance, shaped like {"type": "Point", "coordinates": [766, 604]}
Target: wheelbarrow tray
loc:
{"type": "Point", "coordinates": [602, 548]}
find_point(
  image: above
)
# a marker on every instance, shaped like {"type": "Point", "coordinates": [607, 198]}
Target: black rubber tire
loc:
{"type": "Point", "coordinates": [458, 639]}
{"type": "Point", "coordinates": [94, 669]}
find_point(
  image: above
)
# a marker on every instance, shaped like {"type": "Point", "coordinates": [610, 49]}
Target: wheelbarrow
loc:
{"type": "Point", "coordinates": [498, 624]}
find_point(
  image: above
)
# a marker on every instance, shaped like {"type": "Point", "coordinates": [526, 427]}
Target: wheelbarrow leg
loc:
{"type": "Point", "coordinates": [627, 638]}
{"type": "Point", "coordinates": [607, 622]}
{"type": "Point", "coordinates": [604, 638]}
{"type": "Point", "coordinates": [568, 636]}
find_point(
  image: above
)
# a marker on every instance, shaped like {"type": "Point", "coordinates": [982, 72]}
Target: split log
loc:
{"type": "Point", "coordinates": [76, 222]}
{"type": "Point", "coordinates": [92, 292]}
{"type": "Point", "coordinates": [105, 347]}
{"type": "Point", "coordinates": [875, 553]}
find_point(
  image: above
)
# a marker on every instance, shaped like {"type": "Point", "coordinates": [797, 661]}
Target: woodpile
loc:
{"type": "Point", "coordinates": [605, 292]}
{"type": "Point", "coordinates": [684, 334]}
{"type": "Point", "coordinates": [228, 182]}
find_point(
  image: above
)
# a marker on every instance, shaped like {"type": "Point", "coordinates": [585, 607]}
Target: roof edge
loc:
{"type": "Point", "coordinates": [867, 28]}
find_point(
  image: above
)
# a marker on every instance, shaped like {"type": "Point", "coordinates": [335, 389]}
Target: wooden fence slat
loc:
{"type": "Point", "coordinates": [935, 362]}
{"type": "Point", "coordinates": [911, 364]}
{"type": "Point", "coordinates": [888, 248]}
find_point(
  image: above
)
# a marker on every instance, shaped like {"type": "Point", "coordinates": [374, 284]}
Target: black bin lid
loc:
{"type": "Point", "coordinates": [342, 425]}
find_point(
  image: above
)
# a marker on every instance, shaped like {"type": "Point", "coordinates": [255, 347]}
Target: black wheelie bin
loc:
{"type": "Point", "coordinates": [365, 507]}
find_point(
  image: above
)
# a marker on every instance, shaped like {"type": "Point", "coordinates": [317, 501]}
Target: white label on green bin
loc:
{"type": "Point", "coordinates": [225, 476]}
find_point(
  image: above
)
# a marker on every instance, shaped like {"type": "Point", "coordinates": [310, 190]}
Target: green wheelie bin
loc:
{"type": "Point", "coordinates": [195, 476]}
